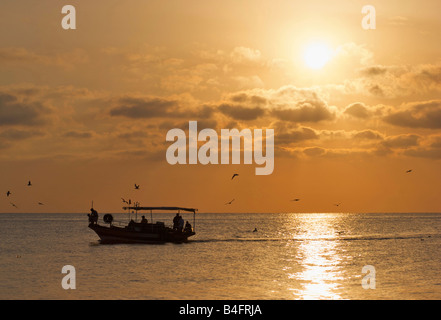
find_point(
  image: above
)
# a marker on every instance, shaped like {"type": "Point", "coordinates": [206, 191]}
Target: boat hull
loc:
{"type": "Point", "coordinates": [140, 234]}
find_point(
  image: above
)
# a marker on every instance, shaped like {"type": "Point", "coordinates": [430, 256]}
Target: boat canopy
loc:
{"type": "Point", "coordinates": [161, 208]}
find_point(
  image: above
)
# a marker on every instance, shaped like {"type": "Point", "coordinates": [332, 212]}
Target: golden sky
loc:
{"type": "Point", "coordinates": [84, 113]}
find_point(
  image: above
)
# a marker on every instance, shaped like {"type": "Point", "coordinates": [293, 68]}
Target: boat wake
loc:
{"type": "Point", "coordinates": [420, 237]}
{"type": "Point", "coordinates": [235, 240]}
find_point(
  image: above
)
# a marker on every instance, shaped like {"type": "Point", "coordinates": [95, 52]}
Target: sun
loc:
{"type": "Point", "coordinates": [316, 55]}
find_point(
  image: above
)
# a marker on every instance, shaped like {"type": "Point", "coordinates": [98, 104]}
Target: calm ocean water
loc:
{"type": "Point", "coordinates": [291, 256]}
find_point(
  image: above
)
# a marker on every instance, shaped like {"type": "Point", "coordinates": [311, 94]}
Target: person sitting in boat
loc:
{"type": "Point", "coordinates": [143, 220]}
{"type": "Point", "coordinates": [187, 227]}
{"type": "Point", "coordinates": [93, 216]}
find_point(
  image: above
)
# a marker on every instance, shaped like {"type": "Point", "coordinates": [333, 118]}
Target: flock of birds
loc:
{"type": "Point", "coordinates": [129, 202]}
{"type": "Point", "coordinates": [295, 199]}
{"type": "Point", "coordinates": [9, 193]}
{"type": "Point", "coordinates": [137, 186]}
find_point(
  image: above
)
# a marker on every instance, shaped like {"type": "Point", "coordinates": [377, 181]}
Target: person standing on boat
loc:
{"type": "Point", "coordinates": [176, 221]}
{"type": "Point", "coordinates": [181, 224]}
{"type": "Point", "coordinates": [143, 220]}
{"type": "Point", "coordinates": [93, 217]}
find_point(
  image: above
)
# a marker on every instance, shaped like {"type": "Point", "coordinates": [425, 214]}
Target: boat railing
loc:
{"type": "Point", "coordinates": [121, 223]}
{"type": "Point", "coordinates": [137, 208]}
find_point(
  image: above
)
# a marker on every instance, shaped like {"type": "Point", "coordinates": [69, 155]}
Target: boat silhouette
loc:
{"type": "Point", "coordinates": [142, 232]}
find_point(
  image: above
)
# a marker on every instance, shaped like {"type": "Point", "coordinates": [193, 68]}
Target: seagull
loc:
{"type": "Point", "coordinates": [234, 175]}
{"type": "Point", "coordinates": [229, 202]}
{"type": "Point", "coordinates": [136, 186]}
{"type": "Point", "coordinates": [409, 171]}
{"type": "Point", "coordinates": [8, 193]}
{"type": "Point", "coordinates": [41, 204]}
{"type": "Point", "coordinates": [295, 200]}
{"type": "Point", "coordinates": [13, 205]}
{"type": "Point", "coordinates": [124, 200]}
{"type": "Point", "coordinates": [29, 183]}
{"type": "Point", "coordinates": [337, 204]}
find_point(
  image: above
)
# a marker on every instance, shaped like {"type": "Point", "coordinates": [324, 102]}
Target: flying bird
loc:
{"type": "Point", "coordinates": [337, 204]}
{"type": "Point", "coordinates": [41, 204]}
{"type": "Point", "coordinates": [8, 193]}
{"type": "Point", "coordinates": [29, 183]}
{"type": "Point", "coordinates": [409, 171]}
{"type": "Point", "coordinates": [295, 200]}
{"type": "Point", "coordinates": [123, 200]}
{"type": "Point", "coordinates": [12, 204]}
{"type": "Point", "coordinates": [136, 186]}
{"type": "Point", "coordinates": [234, 175]}
{"type": "Point", "coordinates": [230, 202]}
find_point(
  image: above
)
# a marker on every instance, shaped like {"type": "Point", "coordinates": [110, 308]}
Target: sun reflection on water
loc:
{"type": "Point", "coordinates": [319, 256]}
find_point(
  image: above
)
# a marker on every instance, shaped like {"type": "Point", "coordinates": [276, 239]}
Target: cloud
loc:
{"type": "Point", "coordinates": [18, 134]}
{"type": "Point", "coordinates": [295, 136]}
{"type": "Point", "coordinates": [430, 148]}
{"type": "Point", "coordinates": [4, 144]}
{"type": "Point", "coordinates": [373, 70]}
{"type": "Point", "coordinates": [78, 134]}
{"type": "Point", "coordinates": [402, 141]}
{"type": "Point", "coordinates": [131, 107]}
{"type": "Point", "coordinates": [137, 134]}
{"type": "Point", "coordinates": [244, 54]}
{"type": "Point", "coordinates": [376, 90]}
{"type": "Point", "coordinates": [431, 153]}
{"type": "Point", "coordinates": [287, 103]}
{"type": "Point", "coordinates": [356, 53]}
{"type": "Point", "coordinates": [304, 111]}
{"type": "Point", "coordinates": [357, 110]}
{"type": "Point", "coordinates": [253, 99]}
{"type": "Point", "coordinates": [368, 135]}
{"type": "Point", "coordinates": [294, 104]}
{"type": "Point", "coordinates": [426, 114]}
{"type": "Point", "coordinates": [239, 112]}
{"type": "Point", "coordinates": [436, 142]}
{"type": "Point", "coordinates": [395, 81]}
{"type": "Point", "coordinates": [155, 107]}
{"type": "Point", "coordinates": [181, 82]}
{"type": "Point", "coordinates": [15, 111]}
{"type": "Point", "coordinates": [314, 151]}
{"type": "Point", "coordinates": [248, 82]}
{"type": "Point", "coordinates": [19, 55]}
{"type": "Point", "coordinates": [427, 76]}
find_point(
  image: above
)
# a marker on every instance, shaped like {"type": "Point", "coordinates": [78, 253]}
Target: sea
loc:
{"type": "Point", "coordinates": [242, 256]}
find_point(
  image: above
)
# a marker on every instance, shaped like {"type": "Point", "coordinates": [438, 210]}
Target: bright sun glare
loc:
{"type": "Point", "coordinates": [317, 55]}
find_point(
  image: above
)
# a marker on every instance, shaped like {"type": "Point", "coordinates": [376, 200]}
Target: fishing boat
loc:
{"type": "Point", "coordinates": [144, 231]}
